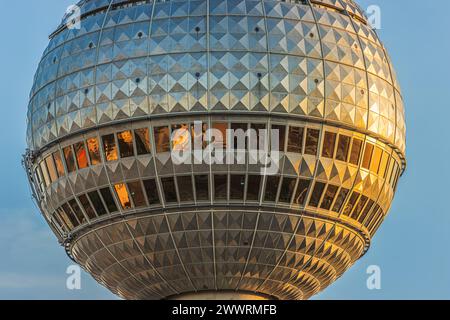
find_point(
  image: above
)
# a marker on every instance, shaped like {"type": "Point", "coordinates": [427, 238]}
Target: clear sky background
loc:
{"type": "Point", "coordinates": [412, 246]}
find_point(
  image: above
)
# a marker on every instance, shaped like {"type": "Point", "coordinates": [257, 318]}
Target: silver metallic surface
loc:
{"type": "Point", "coordinates": [144, 64]}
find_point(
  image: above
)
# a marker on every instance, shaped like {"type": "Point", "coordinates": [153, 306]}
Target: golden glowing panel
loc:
{"type": "Point", "coordinates": [123, 195]}
{"type": "Point", "coordinates": [51, 168]}
{"type": "Point", "coordinates": [80, 152]}
{"type": "Point", "coordinates": [110, 148]}
{"type": "Point", "coordinates": [162, 139]}
{"type": "Point", "coordinates": [125, 139]}
{"type": "Point", "coordinates": [94, 151]}
{"type": "Point", "coordinates": [181, 140]}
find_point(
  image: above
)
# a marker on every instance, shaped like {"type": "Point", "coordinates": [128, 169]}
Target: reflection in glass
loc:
{"type": "Point", "coordinates": [123, 196]}
{"type": "Point", "coordinates": [376, 160]}
{"type": "Point", "coordinates": [272, 188]}
{"type": "Point", "coordinates": [343, 148]}
{"type": "Point", "coordinates": [137, 194]}
{"type": "Point", "coordinates": [80, 152]}
{"type": "Point", "coordinates": [202, 187]}
{"type": "Point", "coordinates": [239, 134]}
{"type": "Point", "coordinates": [59, 164]}
{"type": "Point", "coordinates": [77, 210]}
{"type": "Point", "coordinates": [126, 148]}
{"type": "Point", "coordinates": [152, 192]}
{"type": "Point", "coordinates": [68, 220]}
{"type": "Point", "coordinates": [340, 200]}
{"type": "Point", "coordinates": [312, 141]}
{"type": "Point", "coordinates": [302, 192]}
{"type": "Point", "coordinates": [220, 187]}
{"type": "Point", "coordinates": [295, 141]}
{"type": "Point", "coordinates": [162, 139]}
{"type": "Point", "coordinates": [367, 156]}
{"type": "Point", "coordinates": [51, 168]}
{"type": "Point", "coordinates": [258, 136]}
{"type": "Point", "coordinates": [282, 136]}
{"type": "Point", "coordinates": [70, 215]}
{"type": "Point", "coordinates": [94, 151]}
{"type": "Point", "coordinates": [359, 207]}
{"type": "Point", "coordinates": [366, 211]}
{"type": "Point", "coordinates": [70, 161]}
{"type": "Point", "coordinates": [328, 199]}
{"type": "Point", "coordinates": [329, 143]}
{"type": "Point", "coordinates": [254, 187]}
{"type": "Point", "coordinates": [181, 138]}
{"type": "Point", "coordinates": [317, 194]}
{"type": "Point", "coordinates": [87, 207]}
{"type": "Point", "coordinates": [97, 203]}
{"type": "Point", "coordinates": [170, 192]}
{"type": "Point", "coordinates": [351, 204]}
{"type": "Point", "coordinates": [356, 151]}
{"type": "Point", "coordinates": [110, 147]}
{"type": "Point", "coordinates": [384, 164]}
{"type": "Point", "coordinates": [199, 136]}
{"type": "Point", "coordinates": [220, 138]}
{"type": "Point", "coordinates": [287, 190]}
{"type": "Point", "coordinates": [109, 200]}
{"type": "Point", "coordinates": [237, 187]}
{"type": "Point", "coordinates": [45, 174]}
{"type": "Point", "coordinates": [142, 141]}
{"type": "Point", "coordinates": [185, 188]}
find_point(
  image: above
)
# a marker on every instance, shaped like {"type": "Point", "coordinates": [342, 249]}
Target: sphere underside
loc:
{"type": "Point", "coordinates": [113, 90]}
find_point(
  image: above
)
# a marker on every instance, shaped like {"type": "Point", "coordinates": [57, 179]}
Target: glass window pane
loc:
{"type": "Point", "coordinates": [272, 188]}
{"type": "Point", "coordinates": [254, 187]}
{"type": "Point", "coordinates": [199, 136]}
{"type": "Point", "coordinates": [152, 192]}
{"type": "Point", "coordinates": [51, 168]}
{"type": "Point", "coordinates": [329, 144]}
{"type": "Point", "coordinates": [126, 148]}
{"type": "Point", "coordinates": [367, 156]}
{"type": "Point", "coordinates": [384, 164]}
{"type": "Point", "coordinates": [356, 151]}
{"type": "Point", "coordinates": [68, 221]}
{"type": "Point", "coordinates": [70, 215]}
{"type": "Point", "coordinates": [162, 139]}
{"type": "Point", "coordinates": [77, 211]}
{"type": "Point", "coordinates": [351, 204]}
{"type": "Point", "coordinates": [109, 200]}
{"type": "Point", "coordinates": [181, 138]}
{"type": "Point", "coordinates": [185, 188]}
{"type": "Point", "coordinates": [258, 131]}
{"type": "Point", "coordinates": [94, 151]}
{"type": "Point", "coordinates": [45, 174]}
{"type": "Point", "coordinates": [359, 207]}
{"type": "Point", "coordinates": [237, 186]}
{"type": "Point", "coordinates": [142, 141]}
{"type": "Point", "coordinates": [328, 199]}
{"type": "Point", "coordinates": [376, 161]}
{"type": "Point", "coordinates": [343, 148]}
{"type": "Point", "coordinates": [239, 133]}
{"type": "Point", "coordinates": [87, 207]}
{"type": "Point", "coordinates": [366, 211]}
{"type": "Point", "coordinates": [202, 188]}
{"type": "Point", "coordinates": [170, 193]}
{"type": "Point", "coordinates": [80, 152]}
{"type": "Point", "coordinates": [282, 136]}
{"type": "Point", "coordinates": [295, 141]}
{"type": "Point", "coordinates": [221, 135]}
{"type": "Point", "coordinates": [59, 164]}
{"type": "Point", "coordinates": [340, 200]}
{"type": "Point", "coordinates": [287, 190]}
{"type": "Point", "coordinates": [220, 187]}
{"type": "Point", "coordinates": [70, 161]}
{"type": "Point", "coordinates": [317, 194]}
{"type": "Point", "coordinates": [137, 194]}
{"type": "Point", "coordinates": [312, 141]}
{"type": "Point", "coordinates": [97, 203]}
{"type": "Point", "coordinates": [302, 192]}
{"type": "Point", "coordinates": [110, 147]}
{"type": "Point", "coordinates": [123, 196]}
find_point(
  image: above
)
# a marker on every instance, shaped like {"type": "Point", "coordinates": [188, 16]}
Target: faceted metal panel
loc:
{"type": "Point", "coordinates": [147, 228]}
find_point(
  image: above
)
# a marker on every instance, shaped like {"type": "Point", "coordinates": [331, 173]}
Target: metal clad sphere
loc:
{"type": "Point", "coordinates": [120, 77]}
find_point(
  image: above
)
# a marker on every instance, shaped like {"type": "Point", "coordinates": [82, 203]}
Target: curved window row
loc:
{"type": "Point", "coordinates": [292, 139]}
{"type": "Point", "coordinates": [226, 188]}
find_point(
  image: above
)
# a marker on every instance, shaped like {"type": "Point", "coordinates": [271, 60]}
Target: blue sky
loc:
{"type": "Point", "coordinates": [411, 247]}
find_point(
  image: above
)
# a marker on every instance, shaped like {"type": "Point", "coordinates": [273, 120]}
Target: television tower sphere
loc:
{"type": "Point", "coordinates": [300, 94]}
